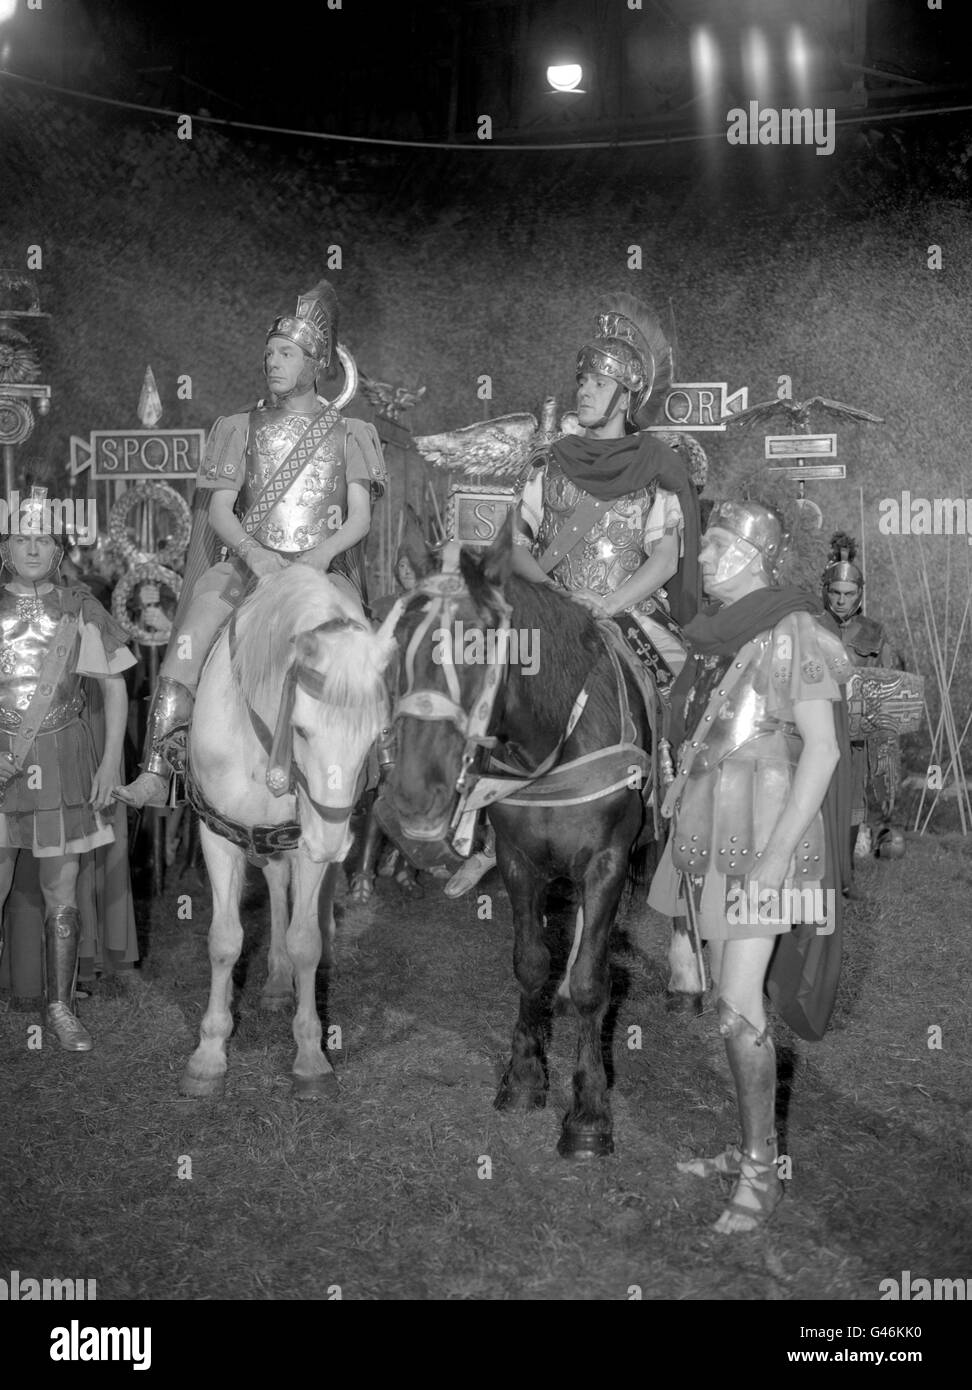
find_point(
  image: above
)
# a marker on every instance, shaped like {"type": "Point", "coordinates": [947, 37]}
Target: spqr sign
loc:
{"type": "Point", "coordinates": [474, 515]}
{"type": "Point", "coordinates": [138, 453]}
{"type": "Point", "coordinates": [700, 405]}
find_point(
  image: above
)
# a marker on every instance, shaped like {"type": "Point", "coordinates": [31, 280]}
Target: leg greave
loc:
{"type": "Point", "coordinates": [752, 1060]}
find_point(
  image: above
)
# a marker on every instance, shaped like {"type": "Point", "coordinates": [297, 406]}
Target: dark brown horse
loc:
{"type": "Point", "coordinates": [562, 697]}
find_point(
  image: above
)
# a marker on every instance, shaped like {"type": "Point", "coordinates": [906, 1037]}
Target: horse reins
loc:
{"type": "Point", "coordinates": [283, 773]}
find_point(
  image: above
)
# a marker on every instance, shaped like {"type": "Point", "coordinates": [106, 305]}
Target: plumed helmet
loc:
{"type": "Point", "coordinates": [314, 325]}
{"type": "Point", "coordinates": [629, 346]}
{"type": "Point", "coordinates": [758, 523]}
{"type": "Point", "coordinates": [843, 549]}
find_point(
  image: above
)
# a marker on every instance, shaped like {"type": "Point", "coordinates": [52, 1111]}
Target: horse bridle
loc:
{"type": "Point", "coordinates": [283, 774]}
{"type": "Point", "coordinates": [445, 590]}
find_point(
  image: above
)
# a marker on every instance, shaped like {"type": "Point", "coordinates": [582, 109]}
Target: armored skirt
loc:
{"type": "Point", "coordinates": [741, 778]}
{"type": "Point", "coordinates": [46, 809]}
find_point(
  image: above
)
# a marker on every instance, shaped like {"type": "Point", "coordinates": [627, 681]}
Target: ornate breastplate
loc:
{"type": "Point", "coordinates": [611, 552]}
{"type": "Point", "coordinates": [26, 628]}
{"type": "Point", "coordinates": [316, 503]}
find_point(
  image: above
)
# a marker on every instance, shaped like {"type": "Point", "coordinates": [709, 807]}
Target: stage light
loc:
{"type": "Point", "coordinates": [798, 58]}
{"type": "Point", "coordinates": [8, 8]}
{"type": "Point", "coordinates": [756, 62]}
{"type": "Point", "coordinates": [705, 70]}
{"type": "Point", "coordinates": [565, 77]}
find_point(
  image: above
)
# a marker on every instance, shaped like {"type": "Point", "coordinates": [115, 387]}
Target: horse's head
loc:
{"type": "Point", "coordinates": [339, 705]}
{"type": "Point", "coordinates": [450, 636]}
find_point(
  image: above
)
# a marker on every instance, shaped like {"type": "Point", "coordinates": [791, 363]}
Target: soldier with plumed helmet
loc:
{"type": "Point", "coordinates": [55, 791]}
{"type": "Point", "coordinates": [756, 853]}
{"type": "Point", "coordinates": [611, 514]}
{"type": "Point", "coordinates": [289, 482]}
{"type": "Point", "coordinates": [875, 761]}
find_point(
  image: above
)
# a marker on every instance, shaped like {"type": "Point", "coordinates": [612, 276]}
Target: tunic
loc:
{"type": "Point", "coordinates": [45, 809]}
{"type": "Point", "coordinates": [746, 754]}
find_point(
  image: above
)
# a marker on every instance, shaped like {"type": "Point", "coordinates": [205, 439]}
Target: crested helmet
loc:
{"type": "Point", "coordinates": [629, 346]}
{"type": "Point", "coordinates": [314, 324]}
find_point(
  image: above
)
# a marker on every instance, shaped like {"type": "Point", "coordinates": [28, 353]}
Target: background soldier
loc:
{"type": "Point", "coordinates": [55, 790]}
{"type": "Point", "coordinates": [876, 761]}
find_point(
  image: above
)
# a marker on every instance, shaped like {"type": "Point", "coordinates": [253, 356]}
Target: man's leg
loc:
{"type": "Point", "coordinates": [739, 976]}
{"type": "Point", "coordinates": [171, 708]}
{"type": "Point", "coordinates": [62, 933]}
{"type": "Point", "coordinates": [8, 863]}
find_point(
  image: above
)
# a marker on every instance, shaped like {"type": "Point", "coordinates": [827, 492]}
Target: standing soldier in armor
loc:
{"type": "Point", "coordinates": [756, 841]}
{"type": "Point", "coordinates": [291, 481]}
{"type": "Point", "coordinates": [611, 514]}
{"type": "Point", "coordinates": [875, 761]}
{"type": "Point", "coordinates": [53, 791]}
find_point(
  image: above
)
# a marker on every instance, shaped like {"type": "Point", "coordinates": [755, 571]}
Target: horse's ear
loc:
{"type": "Point", "coordinates": [498, 560]}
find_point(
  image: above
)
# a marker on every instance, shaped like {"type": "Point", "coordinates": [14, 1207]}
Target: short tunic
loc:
{"type": "Point", "coordinates": [45, 808]}
{"type": "Point", "coordinates": [624, 537]}
{"type": "Point", "coordinates": [735, 806]}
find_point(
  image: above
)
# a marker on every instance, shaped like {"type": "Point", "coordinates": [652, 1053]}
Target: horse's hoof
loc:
{"type": "Point", "coordinates": [316, 1087]}
{"type": "Point", "coordinates": [585, 1143]}
{"type": "Point", "coordinates": [523, 1098]}
{"type": "Point", "coordinates": [677, 1002]}
{"type": "Point", "coordinates": [202, 1087]}
{"type": "Point", "coordinates": [276, 1003]}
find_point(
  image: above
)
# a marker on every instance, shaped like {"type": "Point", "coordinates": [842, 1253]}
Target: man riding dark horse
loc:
{"type": "Point", "coordinates": [611, 514]}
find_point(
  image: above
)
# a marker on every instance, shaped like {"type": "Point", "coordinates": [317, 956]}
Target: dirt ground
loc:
{"type": "Point", "coordinates": [410, 1186]}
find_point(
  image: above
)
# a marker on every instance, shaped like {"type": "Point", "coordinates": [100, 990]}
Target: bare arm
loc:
{"type": "Point", "coordinates": [227, 526]}
{"type": "Point", "coordinates": [116, 716]}
{"type": "Point", "coordinates": [821, 754]}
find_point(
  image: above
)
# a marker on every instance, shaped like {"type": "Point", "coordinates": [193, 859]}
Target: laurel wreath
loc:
{"type": "Point", "coordinates": [174, 547]}
{"type": "Point", "coordinates": [149, 572]}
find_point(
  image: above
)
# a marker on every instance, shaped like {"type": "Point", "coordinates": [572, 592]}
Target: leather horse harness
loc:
{"type": "Point", "coordinates": [283, 776]}
{"type": "Point", "coordinates": [551, 783]}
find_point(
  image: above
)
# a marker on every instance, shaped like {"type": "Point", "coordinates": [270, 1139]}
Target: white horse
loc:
{"type": "Point", "coordinates": [300, 659]}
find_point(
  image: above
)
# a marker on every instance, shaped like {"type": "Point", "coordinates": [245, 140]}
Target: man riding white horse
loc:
{"type": "Point", "coordinates": [290, 481]}
{"type": "Point", "coordinates": [611, 514]}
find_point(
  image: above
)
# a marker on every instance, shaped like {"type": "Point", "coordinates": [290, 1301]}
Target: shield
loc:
{"type": "Point", "coordinates": [881, 701]}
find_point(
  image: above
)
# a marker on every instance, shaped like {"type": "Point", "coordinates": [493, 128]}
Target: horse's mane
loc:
{"type": "Point", "coordinates": [569, 647]}
{"type": "Point", "coordinates": [296, 600]}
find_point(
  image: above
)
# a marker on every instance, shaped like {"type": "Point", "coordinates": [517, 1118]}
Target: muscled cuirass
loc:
{"type": "Point", "coordinates": [26, 628]}
{"type": "Point", "coordinates": [613, 550]}
{"type": "Point", "coordinates": [316, 503]}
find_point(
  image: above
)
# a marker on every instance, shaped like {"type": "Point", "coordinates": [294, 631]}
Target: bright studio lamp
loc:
{"type": "Point", "coordinates": [563, 77]}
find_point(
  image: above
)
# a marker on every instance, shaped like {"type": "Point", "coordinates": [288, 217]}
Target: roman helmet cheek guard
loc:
{"type": "Point", "coordinates": [841, 570]}
{"type": "Point", "coordinates": [630, 348]}
{"type": "Point", "coordinates": [314, 328]}
{"type": "Point", "coordinates": [760, 529]}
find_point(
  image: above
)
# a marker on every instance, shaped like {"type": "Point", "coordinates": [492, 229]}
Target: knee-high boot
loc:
{"type": "Point", "coordinates": [62, 933]}
{"type": "Point", "coordinates": [165, 742]}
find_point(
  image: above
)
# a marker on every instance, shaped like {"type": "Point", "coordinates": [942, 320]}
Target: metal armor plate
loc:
{"type": "Point", "coordinates": [26, 629]}
{"type": "Point", "coordinates": [301, 518]}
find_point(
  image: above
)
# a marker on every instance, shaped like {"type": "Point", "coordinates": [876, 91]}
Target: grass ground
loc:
{"type": "Point", "coordinates": [383, 1191]}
